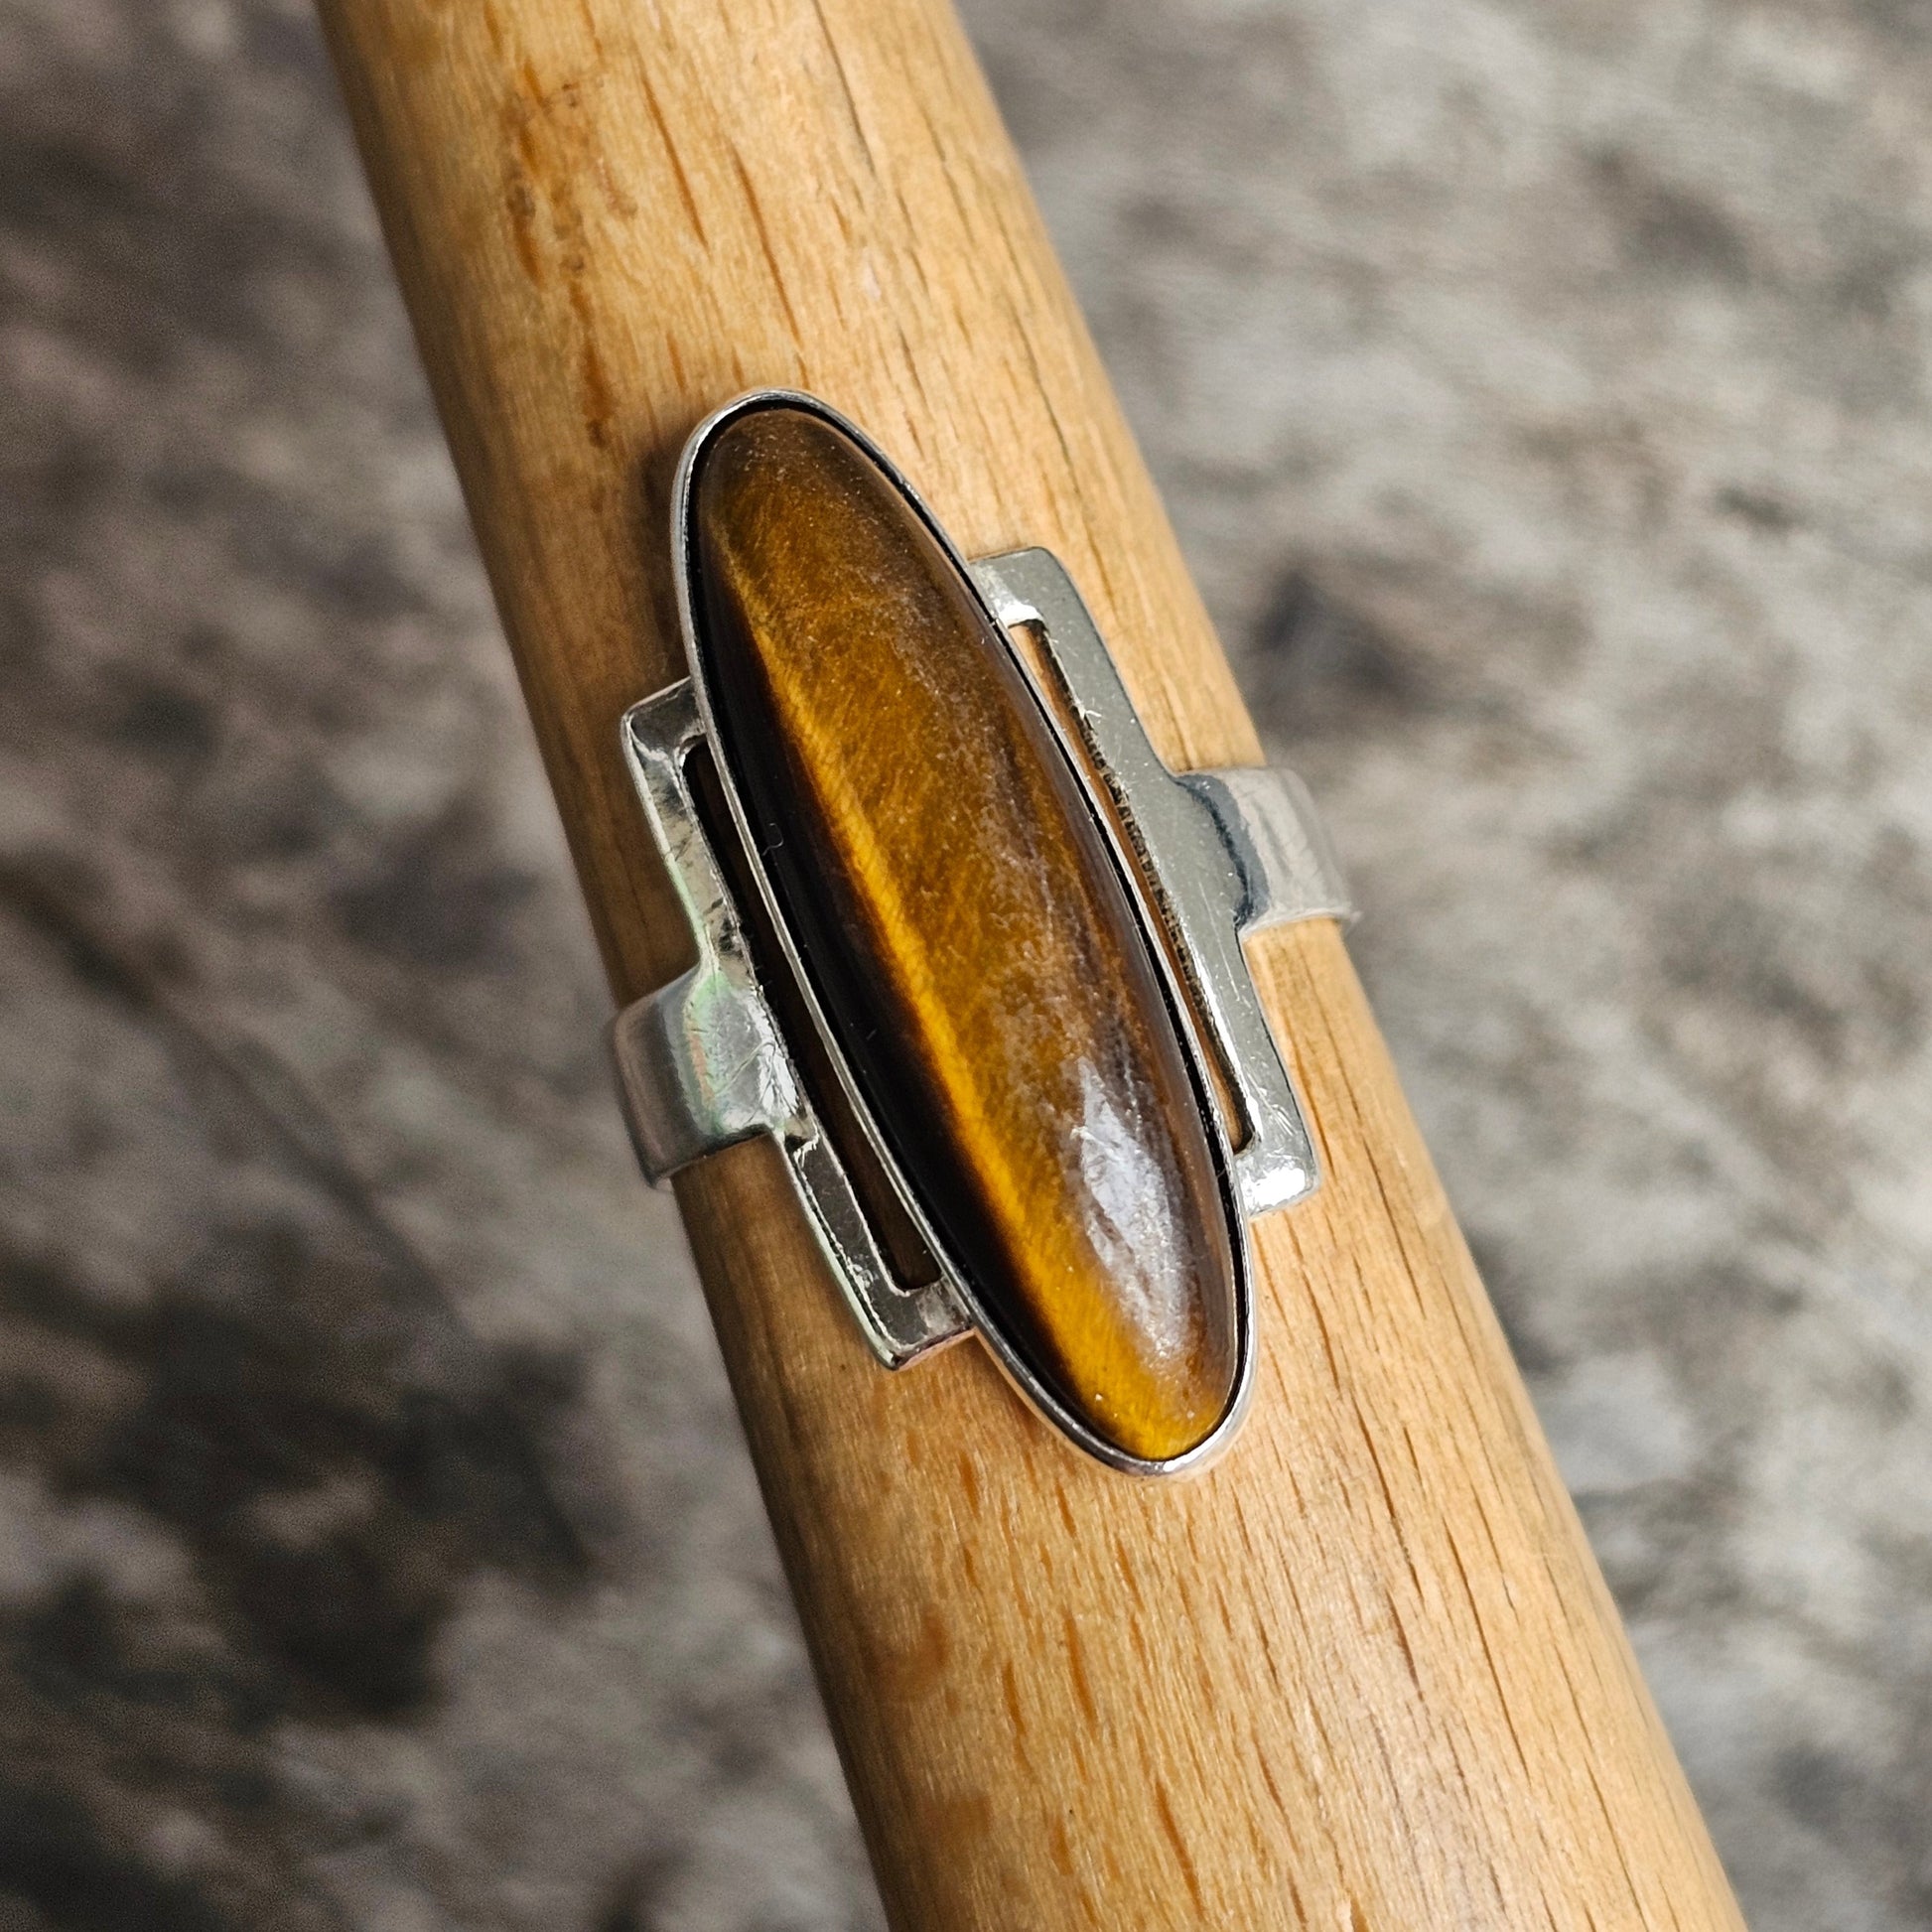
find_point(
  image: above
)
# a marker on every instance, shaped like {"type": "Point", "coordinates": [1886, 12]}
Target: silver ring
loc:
{"type": "Point", "coordinates": [1211, 857]}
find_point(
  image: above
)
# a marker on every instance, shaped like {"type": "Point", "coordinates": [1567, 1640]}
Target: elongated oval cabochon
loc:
{"type": "Point", "coordinates": [970, 941]}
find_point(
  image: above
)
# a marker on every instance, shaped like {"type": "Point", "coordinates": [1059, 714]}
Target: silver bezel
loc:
{"type": "Point", "coordinates": [1204, 858]}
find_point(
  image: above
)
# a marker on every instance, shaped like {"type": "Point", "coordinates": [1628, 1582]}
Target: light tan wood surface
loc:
{"type": "Point", "coordinates": [1362, 1675]}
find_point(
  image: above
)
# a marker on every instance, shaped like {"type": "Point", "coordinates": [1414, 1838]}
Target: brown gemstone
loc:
{"type": "Point", "coordinates": [967, 935]}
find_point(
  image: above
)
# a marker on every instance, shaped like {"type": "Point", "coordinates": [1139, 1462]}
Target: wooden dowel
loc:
{"type": "Point", "coordinates": [1363, 1675]}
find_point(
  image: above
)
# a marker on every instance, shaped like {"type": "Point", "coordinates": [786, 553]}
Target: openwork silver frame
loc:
{"type": "Point", "coordinates": [1206, 858]}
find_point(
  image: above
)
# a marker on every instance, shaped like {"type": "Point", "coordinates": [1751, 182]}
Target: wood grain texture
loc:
{"type": "Point", "coordinates": [1364, 1674]}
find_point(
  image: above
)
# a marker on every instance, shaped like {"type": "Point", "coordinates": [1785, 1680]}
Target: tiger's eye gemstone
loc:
{"type": "Point", "coordinates": [969, 939]}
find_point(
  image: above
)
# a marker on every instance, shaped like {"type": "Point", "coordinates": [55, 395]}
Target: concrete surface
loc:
{"type": "Point", "coordinates": [1542, 393]}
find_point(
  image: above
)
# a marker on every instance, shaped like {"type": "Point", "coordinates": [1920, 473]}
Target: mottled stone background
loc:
{"type": "Point", "coordinates": [1541, 388]}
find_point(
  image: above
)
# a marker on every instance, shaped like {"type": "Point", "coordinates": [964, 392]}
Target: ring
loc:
{"type": "Point", "coordinates": [966, 949]}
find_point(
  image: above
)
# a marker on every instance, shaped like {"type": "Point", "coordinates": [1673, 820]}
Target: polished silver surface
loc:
{"type": "Point", "coordinates": [1226, 853]}
{"type": "Point", "coordinates": [1207, 856]}
{"type": "Point", "coordinates": [702, 1062]}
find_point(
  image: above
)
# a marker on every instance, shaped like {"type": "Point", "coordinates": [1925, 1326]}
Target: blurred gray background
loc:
{"type": "Point", "coordinates": [1542, 393]}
